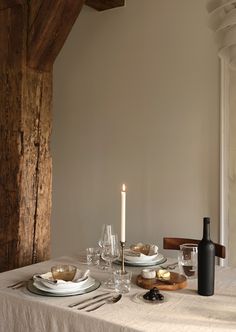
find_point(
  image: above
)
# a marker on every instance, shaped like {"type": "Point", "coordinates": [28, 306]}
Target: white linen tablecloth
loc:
{"type": "Point", "coordinates": [183, 310]}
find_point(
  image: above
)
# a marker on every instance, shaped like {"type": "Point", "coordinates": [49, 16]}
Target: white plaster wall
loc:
{"type": "Point", "coordinates": [136, 100]}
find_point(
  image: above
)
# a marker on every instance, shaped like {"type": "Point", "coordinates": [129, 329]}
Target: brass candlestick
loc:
{"type": "Point", "coordinates": [122, 257]}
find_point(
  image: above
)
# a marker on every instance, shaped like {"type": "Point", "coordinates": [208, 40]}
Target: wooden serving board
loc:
{"type": "Point", "coordinates": [176, 281]}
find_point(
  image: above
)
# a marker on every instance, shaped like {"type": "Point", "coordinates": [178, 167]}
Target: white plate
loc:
{"type": "Point", "coordinates": [160, 259]}
{"type": "Point", "coordinates": [154, 260]}
{"type": "Point", "coordinates": [37, 291]}
{"type": "Point", "coordinates": [89, 282]}
{"type": "Point", "coordinates": [130, 253]}
{"type": "Point", "coordinates": [68, 285]}
{"type": "Point", "coordinates": [140, 259]}
{"type": "Point", "coordinates": [47, 280]}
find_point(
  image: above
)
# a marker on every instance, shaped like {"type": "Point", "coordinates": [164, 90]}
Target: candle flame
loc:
{"type": "Point", "coordinates": [123, 187]}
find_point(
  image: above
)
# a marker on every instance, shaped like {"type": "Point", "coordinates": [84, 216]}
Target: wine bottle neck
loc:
{"type": "Point", "coordinates": [206, 231]}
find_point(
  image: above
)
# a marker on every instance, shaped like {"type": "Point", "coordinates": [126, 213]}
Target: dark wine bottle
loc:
{"type": "Point", "coordinates": [206, 262]}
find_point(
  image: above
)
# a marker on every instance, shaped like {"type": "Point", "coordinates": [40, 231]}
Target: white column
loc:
{"type": "Point", "coordinates": [224, 158]}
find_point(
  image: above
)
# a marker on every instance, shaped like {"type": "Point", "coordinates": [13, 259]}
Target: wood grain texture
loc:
{"type": "Point", "coordinates": [12, 58]}
{"type": "Point", "coordinates": [104, 4]}
{"type": "Point", "coordinates": [31, 35]}
{"type": "Point", "coordinates": [33, 11]}
{"type": "Point", "coordinates": [5, 4]}
{"type": "Point", "coordinates": [176, 281]}
{"type": "Point", "coordinates": [13, 34]}
{"type": "Point", "coordinates": [36, 168]}
{"type": "Point", "coordinates": [25, 161]}
{"type": "Point", "coordinates": [49, 31]}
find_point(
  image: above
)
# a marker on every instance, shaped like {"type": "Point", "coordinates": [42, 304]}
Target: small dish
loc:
{"type": "Point", "coordinates": [140, 252]}
{"type": "Point", "coordinates": [144, 249]}
{"type": "Point", "coordinates": [48, 281]}
{"type": "Point", "coordinates": [63, 272]}
{"type": "Point", "coordinates": [138, 298]}
{"type": "Point", "coordinates": [141, 248]}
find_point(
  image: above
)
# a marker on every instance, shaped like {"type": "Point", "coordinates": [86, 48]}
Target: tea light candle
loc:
{"type": "Point", "coordinates": [123, 213]}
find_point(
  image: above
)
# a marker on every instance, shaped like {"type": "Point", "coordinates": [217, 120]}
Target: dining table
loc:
{"type": "Point", "coordinates": [182, 310]}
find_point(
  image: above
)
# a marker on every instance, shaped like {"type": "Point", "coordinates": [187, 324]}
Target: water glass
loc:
{"type": "Point", "coordinates": [187, 259]}
{"type": "Point", "coordinates": [122, 281]}
{"type": "Point", "coordinates": [93, 256]}
{"type": "Point", "coordinates": [110, 252]}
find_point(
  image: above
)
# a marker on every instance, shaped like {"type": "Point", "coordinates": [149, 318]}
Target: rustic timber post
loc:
{"type": "Point", "coordinates": [31, 36]}
{"type": "Point", "coordinates": [32, 33]}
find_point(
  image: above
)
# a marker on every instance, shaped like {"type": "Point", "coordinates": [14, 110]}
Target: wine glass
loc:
{"type": "Point", "coordinates": [107, 230]}
{"type": "Point", "coordinates": [110, 253]}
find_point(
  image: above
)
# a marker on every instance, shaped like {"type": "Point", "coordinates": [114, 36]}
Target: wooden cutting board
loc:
{"type": "Point", "coordinates": [176, 281]}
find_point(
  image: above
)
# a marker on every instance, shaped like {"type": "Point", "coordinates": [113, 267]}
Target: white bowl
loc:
{"type": "Point", "coordinates": [134, 254]}
{"type": "Point", "coordinates": [47, 280]}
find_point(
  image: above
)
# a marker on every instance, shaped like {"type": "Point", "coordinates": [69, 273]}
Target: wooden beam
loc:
{"type": "Point", "coordinates": [33, 11]}
{"type": "Point", "coordinates": [31, 33]}
{"type": "Point", "coordinates": [36, 167]}
{"type": "Point", "coordinates": [13, 35]}
{"type": "Point", "coordinates": [104, 4]}
{"type": "Point", "coordinates": [49, 31]}
{"type": "Point", "coordinates": [25, 162]}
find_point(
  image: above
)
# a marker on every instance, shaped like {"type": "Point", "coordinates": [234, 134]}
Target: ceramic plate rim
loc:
{"type": "Point", "coordinates": [40, 286]}
{"type": "Point", "coordinates": [149, 263]}
{"type": "Point", "coordinates": [141, 259]}
{"type": "Point", "coordinates": [32, 289]}
{"type": "Point", "coordinates": [63, 286]}
{"type": "Point", "coordinates": [156, 259]}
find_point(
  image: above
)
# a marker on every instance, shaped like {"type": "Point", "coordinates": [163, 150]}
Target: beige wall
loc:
{"type": "Point", "coordinates": [136, 100]}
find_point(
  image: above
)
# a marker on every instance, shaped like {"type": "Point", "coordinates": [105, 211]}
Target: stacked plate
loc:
{"type": "Point", "coordinates": [45, 285]}
{"type": "Point", "coordinates": [134, 258]}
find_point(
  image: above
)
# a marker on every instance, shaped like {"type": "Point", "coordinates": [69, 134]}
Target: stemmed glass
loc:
{"type": "Point", "coordinates": [110, 253]}
{"type": "Point", "coordinates": [107, 230]}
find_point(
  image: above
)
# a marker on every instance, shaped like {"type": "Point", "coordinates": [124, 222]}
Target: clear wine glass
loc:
{"type": "Point", "coordinates": [107, 230]}
{"type": "Point", "coordinates": [110, 253]}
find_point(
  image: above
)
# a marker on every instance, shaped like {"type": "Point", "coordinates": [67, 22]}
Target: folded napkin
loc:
{"type": "Point", "coordinates": [47, 280]}
{"type": "Point", "coordinates": [132, 253]}
{"type": "Point", "coordinates": [153, 251]}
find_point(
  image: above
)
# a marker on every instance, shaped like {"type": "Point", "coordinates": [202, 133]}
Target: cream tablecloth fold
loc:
{"type": "Point", "coordinates": [184, 310]}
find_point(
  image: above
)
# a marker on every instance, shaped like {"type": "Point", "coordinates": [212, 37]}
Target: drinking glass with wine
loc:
{"type": "Point", "coordinates": [187, 259]}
